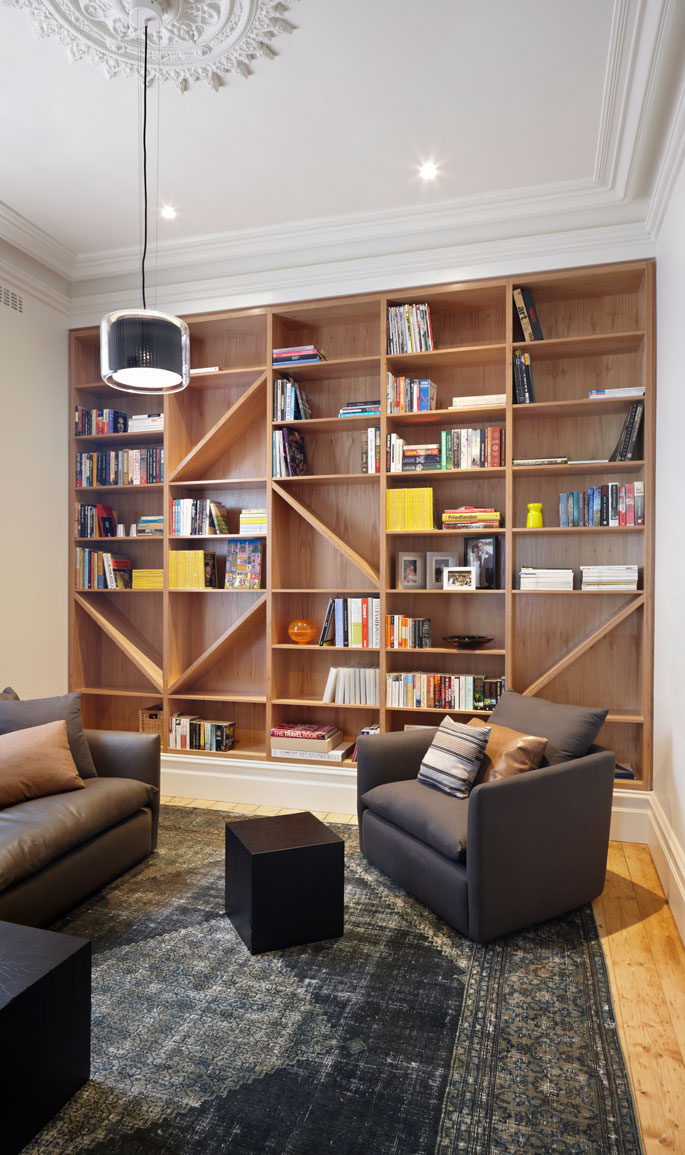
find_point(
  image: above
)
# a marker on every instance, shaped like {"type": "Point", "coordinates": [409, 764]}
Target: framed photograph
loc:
{"type": "Point", "coordinates": [459, 577]}
{"type": "Point", "coordinates": [435, 566]}
{"type": "Point", "coordinates": [410, 575]}
{"type": "Point", "coordinates": [481, 554]}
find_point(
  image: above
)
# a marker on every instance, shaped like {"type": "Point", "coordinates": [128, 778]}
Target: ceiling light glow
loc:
{"type": "Point", "coordinates": [168, 212]}
{"type": "Point", "coordinates": [428, 171]}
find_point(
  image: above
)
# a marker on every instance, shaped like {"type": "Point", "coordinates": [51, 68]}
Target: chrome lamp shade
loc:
{"type": "Point", "coordinates": [145, 352]}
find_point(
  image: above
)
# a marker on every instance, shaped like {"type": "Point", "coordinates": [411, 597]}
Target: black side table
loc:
{"type": "Point", "coordinates": [44, 1028]}
{"type": "Point", "coordinates": [284, 881]}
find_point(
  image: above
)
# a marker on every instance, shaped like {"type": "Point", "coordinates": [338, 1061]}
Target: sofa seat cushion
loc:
{"type": "Point", "coordinates": [433, 817]}
{"type": "Point", "coordinates": [36, 833]}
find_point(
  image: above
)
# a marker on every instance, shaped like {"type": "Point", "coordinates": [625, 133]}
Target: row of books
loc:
{"type": "Point", "coordinates": [192, 569]}
{"type": "Point", "coordinates": [535, 578]}
{"type": "Point", "coordinates": [94, 520]}
{"type": "Point", "coordinates": [608, 577]}
{"type": "Point", "coordinates": [290, 401]}
{"type": "Point", "coordinates": [409, 329]}
{"type": "Point", "coordinates": [289, 457]}
{"type": "Point", "coordinates": [371, 450]}
{"type": "Point", "coordinates": [360, 409]}
{"type": "Point", "coordinates": [252, 521]}
{"type": "Point", "coordinates": [197, 516]}
{"type": "Point", "coordinates": [353, 622]}
{"type": "Point", "coordinates": [99, 570]}
{"type": "Point", "coordinates": [527, 314]}
{"type": "Point", "coordinates": [352, 686]}
{"type": "Point", "coordinates": [443, 691]}
{"type": "Point", "coordinates": [524, 393]}
{"type": "Point", "coordinates": [120, 467]}
{"type": "Point", "coordinates": [481, 448]}
{"type": "Point", "coordinates": [147, 579]}
{"type": "Point", "coordinates": [614, 503]}
{"type": "Point", "coordinates": [297, 355]}
{"type": "Point", "coordinates": [409, 509]}
{"type": "Point", "coordinates": [471, 517]}
{"type": "Point", "coordinates": [628, 445]}
{"type": "Point", "coordinates": [410, 394]}
{"type": "Point", "coordinates": [403, 633]}
{"type": "Point", "coordinates": [188, 732]}
{"type": "Point", "coordinates": [95, 422]}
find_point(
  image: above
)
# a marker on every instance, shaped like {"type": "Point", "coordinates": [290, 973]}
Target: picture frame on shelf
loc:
{"type": "Point", "coordinates": [459, 578]}
{"type": "Point", "coordinates": [435, 567]}
{"type": "Point", "coordinates": [481, 553]}
{"type": "Point", "coordinates": [410, 571]}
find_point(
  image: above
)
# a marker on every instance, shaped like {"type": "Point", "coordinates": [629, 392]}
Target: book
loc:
{"type": "Point", "coordinates": [337, 754]}
{"type": "Point", "coordinates": [321, 744]}
{"type": "Point", "coordinates": [107, 522]}
{"type": "Point", "coordinates": [219, 516]}
{"type": "Point", "coordinates": [630, 391]}
{"type": "Point", "coordinates": [302, 730]}
{"type": "Point", "coordinates": [527, 314]}
{"type": "Point", "coordinates": [540, 461]}
{"type": "Point", "coordinates": [327, 635]}
{"type": "Point", "coordinates": [473, 402]}
{"type": "Point", "coordinates": [244, 564]}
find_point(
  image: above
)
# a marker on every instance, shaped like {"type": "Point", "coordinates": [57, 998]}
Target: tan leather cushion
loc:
{"type": "Point", "coordinates": [36, 762]}
{"type": "Point", "coordinates": [508, 752]}
{"type": "Point", "coordinates": [37, 711]}
{"type": "Point", "coordinates": [39, 832]}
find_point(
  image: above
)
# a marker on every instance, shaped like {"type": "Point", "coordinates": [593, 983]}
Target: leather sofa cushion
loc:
{"type": "Point", "coordinates": [36, 711]}
{"type": "Point", "coordinates": [36, 833]}
{"type": "Point", "coordinates": [35, 763]}
{"type": "Point", "coordinates": [435, 818]}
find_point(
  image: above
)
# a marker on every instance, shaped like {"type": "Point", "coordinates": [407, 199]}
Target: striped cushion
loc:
{"type": "Point", "coordinates": [453, 758]}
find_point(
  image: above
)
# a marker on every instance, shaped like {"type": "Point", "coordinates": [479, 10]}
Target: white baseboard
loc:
{"type": "Point", "coordinates": [669, 860]}
{"type": "Point", "coordinates": [630, 815]}
{"type": "Point", "coordinates": [324, 788]}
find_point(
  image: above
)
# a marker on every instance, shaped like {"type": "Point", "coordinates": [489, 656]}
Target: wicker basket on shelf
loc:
{"type": "Point", "coordinates": [151, 720]}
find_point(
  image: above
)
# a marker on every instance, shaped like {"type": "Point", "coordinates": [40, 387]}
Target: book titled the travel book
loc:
{"type": "Point", "coordinates": [244, 564]}
{"type": "Point", "coordinates": [285, 742]}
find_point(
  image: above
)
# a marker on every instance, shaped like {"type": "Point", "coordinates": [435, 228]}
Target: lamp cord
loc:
{"type": "Point", "coordinates": [142, 270]}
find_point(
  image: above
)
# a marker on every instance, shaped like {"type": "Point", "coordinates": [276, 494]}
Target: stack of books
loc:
{"type": "Point", "coordinates": [289, 457]}
{"type": "Point", "coordinates": [352, 686]}
{"type": "Point", "coordinates": [308, 740]}
{"type": "Point", "coordinates": [244, 564]}
{"type": "Point", "coordinates": [371, 450]}
{"type": "Point", "coordinates": [353, 622]}
{"type": "Point", "coordinates": [410, 394]}
{"type": "Point", "coordinates": [409, 329]}
{"type": "Point", "coordinates": [290, 401]}
{"type": "Point", "coordinates": [545, 579]}
{"type": "Point", "coordinates": [471, 517]}
{"type": "Point", "coordinates": [402, 633]}
{"type": "Point", "coordinates": [409, 509]}
{"type": "Point", "coordinates": [150, 525]}
{"type": "Point", "coordinates": [148, 579]}
{"type": "Point", "coordinates": [621, 391]}
{"type": "Point", "coordinates": [192, 569]}
{"type": "Point", "coordinates": [360, 409]}
{"type": "Point", "coordinates": [297, 355]}
{"type": "Point", "coordinates": [252, 521]}
{"type": "Point", "coordinates": [95, 422]}
{"type": "Point", "coordinates": [524, 393]}
{"type": "Point", "coordinates": [475, 401]}
{"type": "Point", "coordinates": [146, 423]}
{"type": "Point", "coordinates": [608, 577]}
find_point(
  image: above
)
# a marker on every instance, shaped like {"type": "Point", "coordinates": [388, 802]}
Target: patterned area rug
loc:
{"type": "Point", "coordinates": [401, 1038]}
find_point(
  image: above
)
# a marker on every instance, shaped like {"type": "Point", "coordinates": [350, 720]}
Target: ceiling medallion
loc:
{"type": "Point", "coordinates": [194, 41]}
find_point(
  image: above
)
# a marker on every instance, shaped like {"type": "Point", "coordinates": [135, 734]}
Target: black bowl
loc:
{"type": "Point", "coordinates": [466, 641]}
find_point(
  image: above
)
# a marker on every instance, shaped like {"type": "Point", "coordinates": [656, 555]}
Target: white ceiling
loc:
{"type": "Point", "coordinates": [524, 106]}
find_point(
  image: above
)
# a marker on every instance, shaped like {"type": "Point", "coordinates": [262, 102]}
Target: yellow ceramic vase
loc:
{"type": "Point", "coordinates": [534, 519]}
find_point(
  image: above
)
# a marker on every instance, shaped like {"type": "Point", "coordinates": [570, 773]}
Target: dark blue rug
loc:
{"type": "Point", "coordinates": [401, 1038]}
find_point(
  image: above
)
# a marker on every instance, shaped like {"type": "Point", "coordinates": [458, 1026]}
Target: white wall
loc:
{"type": "Point", "coordinates": [34, 433]}
{"type": "Point", "coordinates": [667, 837]}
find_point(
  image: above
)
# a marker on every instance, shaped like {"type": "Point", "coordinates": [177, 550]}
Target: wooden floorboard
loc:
{"type": "Point", "coordinates": [646, 963]}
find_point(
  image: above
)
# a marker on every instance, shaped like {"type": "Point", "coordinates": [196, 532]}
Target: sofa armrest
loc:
{"type": "Point", "coordinates": [537, 844]}
{"type": "Point", "coordinates": [128, 754]}
{"type": "Point", "coordinates": [392, 757]}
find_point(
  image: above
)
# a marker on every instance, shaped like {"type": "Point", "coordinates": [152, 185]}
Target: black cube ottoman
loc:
{"type": "Point", "coordinates": [44, 1028]}
{"type": "Point", "coordinates": [284, 881]}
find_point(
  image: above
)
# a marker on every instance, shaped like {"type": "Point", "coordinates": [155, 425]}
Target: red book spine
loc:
{"type": "Point", "coordinates": [365, 623]}
{"type": "Point", "coordinates": [496, 447]}
{"type": "Point", "coordinates": [630, 503]}
{"type": "Point", "coordinates": [622, 505]}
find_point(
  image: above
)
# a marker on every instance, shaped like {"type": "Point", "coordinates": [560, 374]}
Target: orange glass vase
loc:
{"type": "Point", "coordinates": [301, 631]}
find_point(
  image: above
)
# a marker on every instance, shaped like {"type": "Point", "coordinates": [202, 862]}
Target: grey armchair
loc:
{"type": "Point", "coordinates": [535, 844]}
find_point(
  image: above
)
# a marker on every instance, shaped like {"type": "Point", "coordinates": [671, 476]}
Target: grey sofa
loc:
{"type": "Point", "coordinates": [536, 844]}
{"type": "Point", "coordinates": [57, 850]}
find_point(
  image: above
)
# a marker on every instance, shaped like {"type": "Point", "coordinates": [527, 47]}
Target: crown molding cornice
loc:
{"type": "Point", "coordinates": [498, 256]}
{"type": "Point", "coordinates": [669, 169]}
{"type": "Point", "coordinates": [34, 286]}
{"type": "Point", "coordinates": [27, 237]}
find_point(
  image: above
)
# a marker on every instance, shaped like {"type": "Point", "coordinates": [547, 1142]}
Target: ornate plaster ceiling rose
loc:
{"type": "Point", "coordinates": [194, 41]}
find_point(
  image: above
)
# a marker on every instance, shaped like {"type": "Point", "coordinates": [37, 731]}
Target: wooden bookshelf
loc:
{"type": "Point", "coordinates": [230, 658]}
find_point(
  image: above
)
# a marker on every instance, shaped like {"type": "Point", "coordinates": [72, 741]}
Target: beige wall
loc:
{"type": "Point", "coordinates": [33, 498]}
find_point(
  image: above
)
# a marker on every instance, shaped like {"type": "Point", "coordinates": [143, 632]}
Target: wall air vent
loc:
{"type": "Point", "coordinates": [11, 299]}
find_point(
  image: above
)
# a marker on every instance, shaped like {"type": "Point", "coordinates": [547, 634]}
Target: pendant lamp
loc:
{"type": "Point", "coordinates": [141, 350]}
